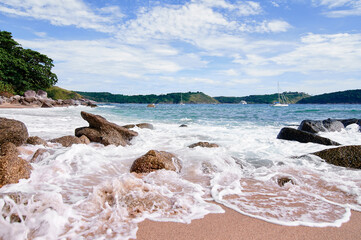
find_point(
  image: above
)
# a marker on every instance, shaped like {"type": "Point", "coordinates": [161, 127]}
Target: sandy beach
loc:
{"type": "Point", "coordinates": [9, 105]}
{"type": "Point", "coordinates": [233, 225]}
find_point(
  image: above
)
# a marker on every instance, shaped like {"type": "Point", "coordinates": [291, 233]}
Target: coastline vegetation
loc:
{"type": "Point", "coordinates": [23, 69]}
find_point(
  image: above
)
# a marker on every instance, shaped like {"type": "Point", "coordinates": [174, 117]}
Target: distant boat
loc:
{"type": "Point", "coordinates": [282, 100]}
{"type": "Point", "coordinates": [243, 102]}
{"type": "Point", "coordinates": [151, 105]}
{"type": "Point", "coordinates": [181, 101]}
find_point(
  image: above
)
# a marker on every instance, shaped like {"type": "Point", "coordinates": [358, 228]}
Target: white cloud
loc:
{"type": "Point", "coordinates": [63, 13]}
{"type": "Point", "coordinates": [267, 26]}
{"type": "Point", "coordinates": [340, 8]}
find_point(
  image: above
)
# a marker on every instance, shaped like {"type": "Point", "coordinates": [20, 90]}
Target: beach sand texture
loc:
{"type": "Point", "coordinates": [232, 226]}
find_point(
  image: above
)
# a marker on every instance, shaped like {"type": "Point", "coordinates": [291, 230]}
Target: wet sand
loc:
{"type": "Point", "coordinates": [233, 225]}
{"type": "Point", "coordinates": [9, 105]}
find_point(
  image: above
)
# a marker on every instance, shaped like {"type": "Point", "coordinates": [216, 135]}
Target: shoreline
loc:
{"type": "Point", "coordinates": [232, 225]}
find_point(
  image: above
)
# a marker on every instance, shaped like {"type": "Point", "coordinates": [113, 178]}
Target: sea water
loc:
{"type": "Point", "coordinates": [87, 191]}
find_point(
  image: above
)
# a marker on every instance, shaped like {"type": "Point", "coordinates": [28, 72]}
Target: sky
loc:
{"type": "Point", "coordinates": [219, 47]}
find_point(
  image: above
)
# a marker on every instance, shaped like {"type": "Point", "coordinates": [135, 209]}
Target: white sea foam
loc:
{"type": "Point", "coordinates": [86, 191]}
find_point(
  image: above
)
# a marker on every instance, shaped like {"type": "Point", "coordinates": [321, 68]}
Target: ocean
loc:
{"type": "Point", "coordinates": [87, 191]}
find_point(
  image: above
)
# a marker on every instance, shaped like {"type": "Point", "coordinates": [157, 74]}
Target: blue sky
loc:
{"type": "Point", "coordinates": [220, 47]}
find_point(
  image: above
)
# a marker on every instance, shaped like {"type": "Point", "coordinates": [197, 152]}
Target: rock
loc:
{"type": "Point", "coordinates": [346, 156]}
{"type": "Point", "coordinates": [303, 137]}
{"type": "Point", "coordinates": [37, 157]}
{"type": "Point", "coordinates": [42, 94]}
{"type": "Point", "coordinates": [312, 126]}
{"type": "Point", "coordinates": [30, 93]}
{"type": "Point", "coordinates": [156, 160]}
{"type": "Point", "coordinates": [204, 144]}
{"type": "Point", "coordinates": [102, 131]}
{"type": "Point", "coordinates": [140, 125]}
{"type": "Point", "coordinates": [84, 139]}
{"type": "Point", "coordinates": [347, 122]}
{"type": "Point", "coordinates": [67, 141]}
{"type": "Point", "coordinates": [13, 131]}
{"type": "Point", "coordinates": [70, 102]}
{"type": "Point", "coordinates": [30, 99]}
{"type": "Point", "coordinates": [283, 180]}
{"type": "Point", "coordinates": [46, 105]}
{"type": "Point", "coordinates": [151, 105]}
{"type": "Point", "coordinates": [332, 125]}
{"type": "Point", "coordinates": [35, 140]}
{"type": "Point", "coordinates": [12, 168]}
{"type": "Point", "coordinates": [183, 125]}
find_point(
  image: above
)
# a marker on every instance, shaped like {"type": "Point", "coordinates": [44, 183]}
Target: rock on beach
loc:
{"type": "Point", "coordinates": [13, 131]}
{"type": "Point", "coordinates": [155, 160]}
{"type": "Point", "coordinates": [345, 156]}
{"type": "Point", "coordinates": [292, 134]}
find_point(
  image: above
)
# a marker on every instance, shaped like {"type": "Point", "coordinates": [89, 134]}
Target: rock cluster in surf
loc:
{"type": "Point", "coordinates": [345, 156]}
{"type": "Point", "coordinates": [41, 99]}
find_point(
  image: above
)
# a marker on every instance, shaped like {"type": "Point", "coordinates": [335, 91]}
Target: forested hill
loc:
{"type": "Point", "coordinates": [189, 98]}
{"type": "Point", "coordinates": [349, 97]}
{"type": "Point", "coordinates": [292, 97]}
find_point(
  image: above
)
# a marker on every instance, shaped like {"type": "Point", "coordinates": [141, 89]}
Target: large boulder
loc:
{"type": "Point", "coordinates": [204, 144]}
{"type": "Point", "coordinates": [346, 156]}
{"type": "Point", "coordinates": [29, 93]}
{"type": "Point", "coordinates": [42, 94]}
{"type": "Point", "coordinates": [102, 131]}
{"type": "Point", "coordinates": [156, 160]}
{"type": "Point", "coordinates": [292, 134]}
{"type": "Point", "coordinates": [12, 168]}
{"type": "Point", "coordinates": [67, 141]}
{"type": "Point", "coordinates": [328, 125]}
{"type": "Point", "coordinates": [13, 131]}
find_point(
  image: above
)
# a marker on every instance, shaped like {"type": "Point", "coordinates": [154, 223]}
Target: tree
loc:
{"type": "Point", "coordinates": [23, 68]}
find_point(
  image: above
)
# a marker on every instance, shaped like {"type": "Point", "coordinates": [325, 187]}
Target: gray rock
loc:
{"type": "Point", "coordinates": [312, 126]}
{"type": "Point", "coordinates": [42, 94]}
{"type": "Point", "coordinates": [13, 131]}
{"type": "Point", "coordinates": [303, 137]}
{"type": "Point", "coordinates": [29, 93]}
{"type": "Point", "coordinates": [140, 125]}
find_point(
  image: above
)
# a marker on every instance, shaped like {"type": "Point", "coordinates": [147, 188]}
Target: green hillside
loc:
{"type": "Point", "coordinates": [349, 97]}
{"type": "Point", "coordinates": [189, 98]}
{"type": "Point", "coordinates": [60, 93]}
{"type": "Point", "coordinates": [292, 97]}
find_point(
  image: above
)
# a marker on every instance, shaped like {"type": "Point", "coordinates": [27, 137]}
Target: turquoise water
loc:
{"type": "Point", "coordinates": [224, 114]}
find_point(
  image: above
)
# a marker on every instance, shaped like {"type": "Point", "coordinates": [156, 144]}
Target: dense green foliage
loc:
{"type": "Point", "coordinates": [60, 93]}
{"type": "Point", "coordinates": [6, 87]}
{"type": "Point", "coordinates": [350, 96]}
{"type": "Point", "coordinates": [292, 97]}
{"type": "Point", "coordinates": [189, 97]}
{"type": "Point", "coordinates": [24, 69]}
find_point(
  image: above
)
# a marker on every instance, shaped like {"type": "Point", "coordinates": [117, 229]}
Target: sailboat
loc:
{"type": "Point", "coordinates": [181, 101]}
{"type": "Point", "coordinates": [281, 99]}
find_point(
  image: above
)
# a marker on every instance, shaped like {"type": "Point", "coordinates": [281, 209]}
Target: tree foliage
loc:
{"type": "Point", "coordinates": [293, 97]}
{"type": "Point", "coordinates": [349, 97]}
{"type": "Point", "coordinates": [24, 69]}
{"type": "Point", "coordinates": [188, 97]}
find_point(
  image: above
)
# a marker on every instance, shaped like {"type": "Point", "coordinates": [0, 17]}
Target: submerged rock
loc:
{"type": "Point", "coordinates": [140, 125]}
{"type": "Point", "coordinates": [204, 144]}
{"type": "Point", "coordinates": [38, 155]}
{"type": "Point", "coordinates": [156, 160]}
{"type": "Point", "coordinates": [303, 137]}
{"type": "Point", "coordinates": [13, 131]}
{"type": "Point", "coordinates": [102, 131]}
{"type": "Point", "coordinates": [67, 141]}
{"type": "Point", "coordinates": [346, 156]}
{"type": "Point", "coordinates": [328, 125]}
{"type": "Point", "coordinates": [12, 168]}
{"type": "Point", "coordinates": [183, 125]}
{"type": "Point", "coordinates": [283, 180]}
{"type": "Point", "coordinates": [35, 140]}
